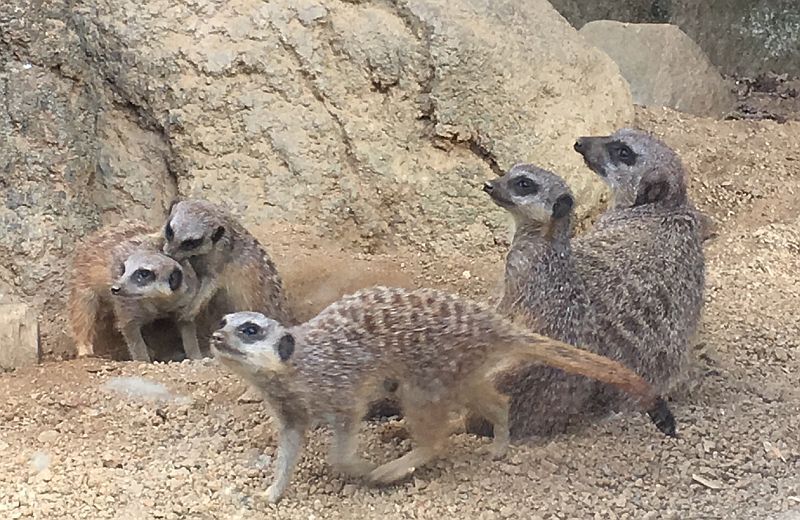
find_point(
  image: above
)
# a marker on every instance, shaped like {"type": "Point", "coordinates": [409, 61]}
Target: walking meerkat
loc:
{"type": "Point", "coordinates": [120, 273]}
{"type": "Point", "coordinates": [439, 348]}
{"type": "Point", "coordinates": [636, 277]}
{"type": "Point", "coordinates": [229, 261]}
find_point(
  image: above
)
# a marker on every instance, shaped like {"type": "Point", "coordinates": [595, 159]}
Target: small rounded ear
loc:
{"type": "Point", "coordinates": [175, 279]}
{"type": "Point", "coordinates": [562, 206]}
{"type": "Point", "coordinates": [218, 234]}
{"type": "Point", "coordinates": [286, 347]}
{"type": "Point", "coordinates": [652, 192]}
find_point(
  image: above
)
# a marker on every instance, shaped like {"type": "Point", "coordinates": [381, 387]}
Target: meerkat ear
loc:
{"type": "Point", "coordinates": [653, 186]}
{"type": "Point", "coordinates": [562, 206]}
{"type": "Point", "coordinates": [175, 279]}
{"type": "Point", "coordinates": [286, 347]}
{"type": "Point", "coordinates": [172, 204]}
{"type": "Point", "coordinates": [218, 234]}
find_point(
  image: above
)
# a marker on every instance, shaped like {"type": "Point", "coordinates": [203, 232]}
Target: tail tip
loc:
{"type": "Point", "coordinates": [662, 417]}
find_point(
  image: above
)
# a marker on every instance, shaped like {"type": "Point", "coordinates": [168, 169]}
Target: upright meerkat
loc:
{"type": "Point", "coordinates": [121, 269]}
{"type": "Point", "coordinates": [439, 348]}
{"type": "Point", "coordinates": [543, 291]}
{"type": "Point", "coordinates": [637, 276]}
{"type": "Point", "coordinates": [229, 261]}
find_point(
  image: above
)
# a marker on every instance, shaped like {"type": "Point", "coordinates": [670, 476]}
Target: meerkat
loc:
{"type": "Point", "coordinates": [650, 247]}
{"type": "Point", "coordinates": [439, 348]}
{"type": "Point", "coordinates": [544, 291]}
{"type": "Point", "coordinates": [630, 288]}
{"type": "Point", "coordinates": [623, 157]}
{"type": "Point", "coordinates": [227, 259]}
{"type": "Point", "coordinates": [121, 269]}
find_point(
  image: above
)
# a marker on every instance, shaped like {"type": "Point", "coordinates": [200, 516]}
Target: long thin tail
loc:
{"type": "Point", "coordinates": [547, 351]}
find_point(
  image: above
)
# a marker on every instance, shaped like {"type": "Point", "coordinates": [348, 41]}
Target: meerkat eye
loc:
{"type": "Point", "coordinates": [188, 245]}
{"type": "Point", "coordinates": [620, 152]}
{"type": "Point", "coordinates": [249, 329]}
{"type": "Point", "coordinates": [524, 186]}
{"type": "Point", "coordinates": [168, 232]}
{"type": "Point", "coordinates": [143, 275]}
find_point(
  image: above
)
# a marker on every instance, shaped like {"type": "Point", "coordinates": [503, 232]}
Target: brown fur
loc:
{"type": "Point", "coordinates": [99, 263]}
{"type": "Point", "coordinates": [439, 348]}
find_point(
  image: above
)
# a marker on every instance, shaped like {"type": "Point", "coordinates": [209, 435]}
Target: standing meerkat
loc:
{"type": "Point", "coordinates": [229, 261]}
{"type": "Point", "coordinates": [639, 273]}
{"type": "Point", "coordinates": [121, 269]}
{"type": "Point", "coordinates": [439, 348]}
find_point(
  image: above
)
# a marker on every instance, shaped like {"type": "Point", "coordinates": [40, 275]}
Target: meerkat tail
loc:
{"type": "Point", "coordinates": [550, 352]}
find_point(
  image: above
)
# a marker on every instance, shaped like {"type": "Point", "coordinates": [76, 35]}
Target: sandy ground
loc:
{"type": "Point", "coordinates": [74, 444]}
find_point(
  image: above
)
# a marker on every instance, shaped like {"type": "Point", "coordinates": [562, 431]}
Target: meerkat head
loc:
{"type": "Point", "coordinates": [639, 168]}
{"type": "Point", "coordinates": [251, 344]}
{"type": "Point", "coordinates": [531, 195]}
{"type": "Point", "coordinates": [148, 275]}
{"type": "Point", "coordinates": [193, 228]}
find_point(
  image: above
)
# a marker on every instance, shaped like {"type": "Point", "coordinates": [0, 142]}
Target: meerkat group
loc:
{"type": "Point", "coordinates": [585, 324]}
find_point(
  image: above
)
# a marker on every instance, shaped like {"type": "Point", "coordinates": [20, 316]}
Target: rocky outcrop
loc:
{"type": "Point", "coordinates": [374, 123]}
{"type": "Point", "coordinates": [663, 66]}
{"type": "Point", "coordinates": [745, 37]}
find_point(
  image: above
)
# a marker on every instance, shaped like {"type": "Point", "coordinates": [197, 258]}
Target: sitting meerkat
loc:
{"type": "Point", "coordinates": [121, 269]}
{"type": "Point", "coordinates": [438, 348]}
{"type": "Point", "coordinates": [630, 288]}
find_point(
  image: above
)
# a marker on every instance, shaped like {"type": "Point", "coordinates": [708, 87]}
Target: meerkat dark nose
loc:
{"type": "Point", "coordinates": [488, 186]}
{"type": "Point", "coordinates": [114, 289]}
{"type": "Point", "coordinates": [580, 145]}
{"type": "Point", "coordinates": [217, 336]}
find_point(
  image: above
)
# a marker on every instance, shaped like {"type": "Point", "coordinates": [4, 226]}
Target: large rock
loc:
{"type": "Point", "coordinates": [374, 123]}
{"type": "Point", "coordinates": [19, 336]}
{"type": "Point", "coordinates": [663, 66]}
{"type": "Point", "coordinates": [739, 36]}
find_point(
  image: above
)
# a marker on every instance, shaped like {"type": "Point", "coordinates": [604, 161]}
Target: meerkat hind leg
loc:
{"type": "Point", "coordinates": [343, 454]}
{"type": "Point", "coordinates": [429, 430]}
{"type": "Point", "coordinates": [83, 310]}
{"type": "Point", "coordinates": [290, 444]}
{"type": "Point", "coordinates": [487, 402]}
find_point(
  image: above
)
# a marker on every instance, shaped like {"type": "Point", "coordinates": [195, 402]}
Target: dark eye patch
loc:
{"type": "Point", "coordinates": [250, 332]}
{"type": "Point", "coordinates": [188, 245]}
{"type": "Point", "coordinates": [620, 152]}
{"type": "Point", "coordinates": [143, 276]}
{"type": "Point", "coordinates": [523, 186]}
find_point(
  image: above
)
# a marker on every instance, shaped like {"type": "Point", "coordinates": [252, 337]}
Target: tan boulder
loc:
{"type": "Point", "coordinates": [663, 66]}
